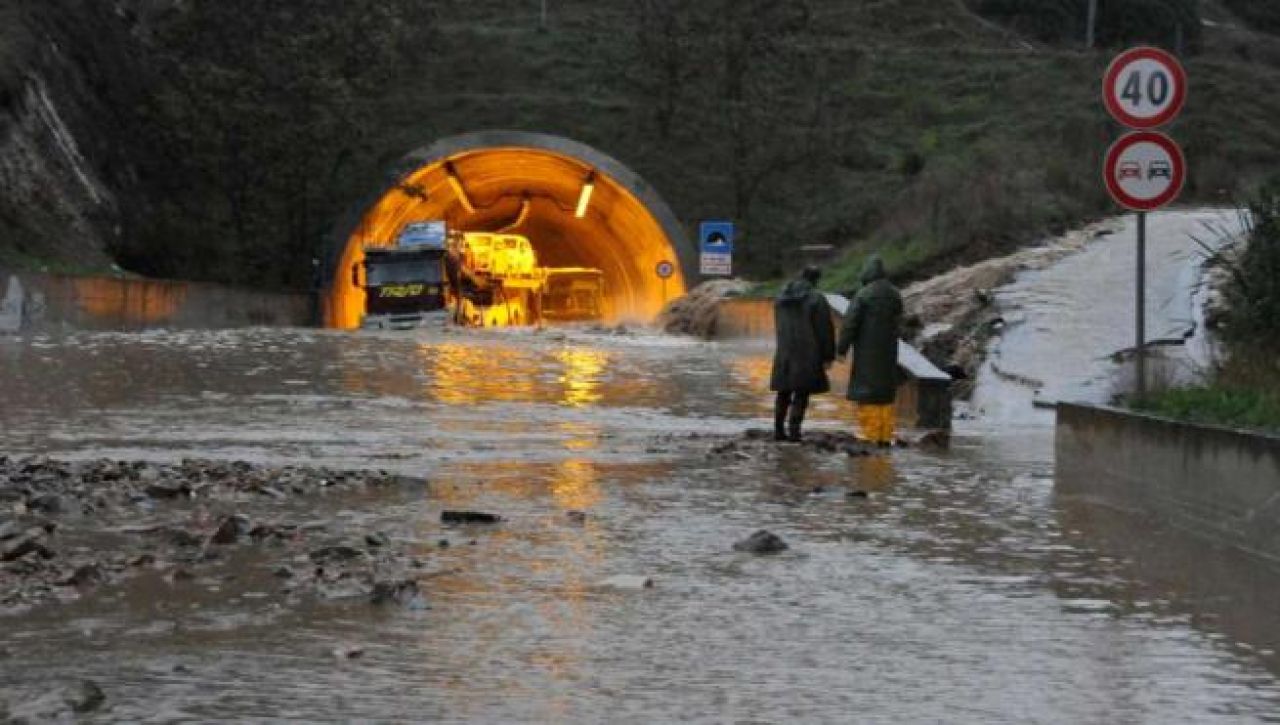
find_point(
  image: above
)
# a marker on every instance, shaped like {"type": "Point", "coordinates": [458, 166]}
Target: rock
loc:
{"type": "Point", "coordinates": [469, 517]}
{"type": "Point", "coordinates": [858, 494]}
{"type": "Point", "coordinates": [935, 440]}
{"type": "Point", "coordinates": [275, 493]}
{"type": "Point", "coordinates": [626, 582]}
{"type": "Point", "coordinates": [577, 517]}
{"type": "Point", "coordinates": [180, 574]}
{"type": "Point", "coordinates": [377, 540]}
{"type": "Point", "coordinates": [50, 503]}
{"type": "Point", "coordinates": [143, 560]}
{"type": "Point", "coordinates": [348, 653]}
{"type": "Point", "coordinates": [85, 575]}
{"type": "Point", "coordinates": [761, 542]}
{"type": "Point", "coordinates": [443, 543]}
{"type": "Point", "coordinates": [182, 537]}
{"type": "Point", "coordinates": [283, 572]}
{"type": "Point", "coordinates": [230, 530]}
{"type": "Point", "coordinates": [403, 592]}
{"type": "Point", "coordinates": [9, 530]}
{"type": "Point", "coordinates": [85, 697]}
{"type": "Point", "coordinates": [167, 490]}
{"type": "Point", "coordinates": [28, 544]}
{"type": "Point", "coordinates": [340, 552]}
{"type": "Point", "coordinates": [265, 531]}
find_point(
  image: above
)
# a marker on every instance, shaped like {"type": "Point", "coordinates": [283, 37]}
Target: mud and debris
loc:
{"type": "Point", "coordinates": [695, 313]}
{"type": "Point", "coordinates": [70, 527]}
{"type": "Point", "coordinates": [952, 317]}
{"type": "Point", "coordinates": [755, 443]}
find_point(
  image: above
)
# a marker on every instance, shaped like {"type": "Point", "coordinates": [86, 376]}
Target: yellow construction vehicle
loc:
{"type": "Point", "coordinates": [495, 279]}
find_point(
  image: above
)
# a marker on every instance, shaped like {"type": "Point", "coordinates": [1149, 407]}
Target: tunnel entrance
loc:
{"type": "Point", "coordinates": [578, 207]}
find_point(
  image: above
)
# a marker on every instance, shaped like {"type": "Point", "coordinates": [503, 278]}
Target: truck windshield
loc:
{"type": "Point", "coordinates": [400, 271]}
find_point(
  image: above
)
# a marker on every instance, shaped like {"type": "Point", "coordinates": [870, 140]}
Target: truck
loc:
{"type": "Point", "coordinates": [404, 283]}
{"type": "Point", "coordinates": [573, 294]}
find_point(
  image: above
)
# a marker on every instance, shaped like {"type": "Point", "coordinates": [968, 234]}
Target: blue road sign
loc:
{"type": "Point", "coordinates": [715, 244]}
{"type": "Point", "coordinates": [430, 234]}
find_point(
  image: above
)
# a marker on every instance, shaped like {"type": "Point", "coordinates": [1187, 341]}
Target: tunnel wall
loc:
{"type": "Point", "coordinates": [1217, 483]}
{"type": "Point", "coordinates": [33, 302]}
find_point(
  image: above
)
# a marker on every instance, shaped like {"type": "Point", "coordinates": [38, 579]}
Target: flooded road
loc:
{"type": "Point", "coordinates": [959, 590]}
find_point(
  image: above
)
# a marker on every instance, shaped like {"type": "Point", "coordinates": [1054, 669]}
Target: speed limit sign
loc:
{"type": "Point", "coordinates": [1145, 88]}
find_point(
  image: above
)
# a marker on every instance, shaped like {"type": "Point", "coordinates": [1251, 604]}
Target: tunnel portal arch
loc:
{"type": "Point", "coordinates": [530, 184]}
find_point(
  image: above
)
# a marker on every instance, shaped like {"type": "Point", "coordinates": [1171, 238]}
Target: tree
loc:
{"type": "Point", "coordinates": [263, 111]}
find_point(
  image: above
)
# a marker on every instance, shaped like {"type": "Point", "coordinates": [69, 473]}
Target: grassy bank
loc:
{"type": "Point", "coordinates": [1221, 403]}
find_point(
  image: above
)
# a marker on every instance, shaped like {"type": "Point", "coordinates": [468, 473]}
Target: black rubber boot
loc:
{"type": "Point", "coordinates": [780, 405]}
{"type": "Point", "coordinates": [798, 407]}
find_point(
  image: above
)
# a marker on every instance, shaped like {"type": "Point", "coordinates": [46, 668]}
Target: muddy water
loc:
{"type": "Point", "coordinates": [960, 590]}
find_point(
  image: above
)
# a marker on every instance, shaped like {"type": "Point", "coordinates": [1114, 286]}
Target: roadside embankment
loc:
{"type": "Point", "coordinates": [1217, 483]}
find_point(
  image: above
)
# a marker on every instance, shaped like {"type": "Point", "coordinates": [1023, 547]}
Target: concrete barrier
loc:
{"type": "Point", "coordinates": [39, 302]}
{"type": "Point", "coordinates": [1218, 483]}
{"type": "Point", "coordinates": [924, 393]}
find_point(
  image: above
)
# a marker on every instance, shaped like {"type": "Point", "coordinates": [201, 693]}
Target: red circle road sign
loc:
{"type": "Point", "coordinates": [1145, 88]}
{"type": "Point", "coordinates": [1145, 170]}
{"type": "Point", "coordinates": [664, 269]}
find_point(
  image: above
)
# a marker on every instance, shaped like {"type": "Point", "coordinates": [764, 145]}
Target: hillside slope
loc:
{"type": "Point", "coordinates": [919, 128]}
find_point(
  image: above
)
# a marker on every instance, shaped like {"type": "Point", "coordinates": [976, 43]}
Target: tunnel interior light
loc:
{"type": "Point", "coordinates": [459, 190]}
{"type": "Point", "coordinates": [584, 199]}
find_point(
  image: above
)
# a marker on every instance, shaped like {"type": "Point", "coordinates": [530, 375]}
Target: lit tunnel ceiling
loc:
{"type": "Point", "coordinates": [530, 184]}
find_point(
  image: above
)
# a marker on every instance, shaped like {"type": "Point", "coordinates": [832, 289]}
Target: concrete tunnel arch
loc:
{"type": "Point", "coordinates": [530, 184]}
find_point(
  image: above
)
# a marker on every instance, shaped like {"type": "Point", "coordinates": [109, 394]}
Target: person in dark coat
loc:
{"type": "Point", "coordinates": [805, 348]}
{"type": "Point", "coordinates": [871, 327]}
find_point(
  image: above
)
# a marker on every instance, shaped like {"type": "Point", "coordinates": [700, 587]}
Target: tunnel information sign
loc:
{"type": "Point", "coordinates": [1145, 170]}
{"type": "Point", "coordinates": [716, 248]}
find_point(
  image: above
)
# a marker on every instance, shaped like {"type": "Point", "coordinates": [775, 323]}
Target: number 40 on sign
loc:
{"type": "Point", "coordinates": [1145, 88]}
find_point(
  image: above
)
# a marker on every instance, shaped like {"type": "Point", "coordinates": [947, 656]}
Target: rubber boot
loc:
{"type": "Point", "coordinates": [798, 407]}
{"type": "Point", "coordinates": [780, 405]}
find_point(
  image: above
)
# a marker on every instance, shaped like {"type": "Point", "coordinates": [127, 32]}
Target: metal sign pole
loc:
{"type": "Point", "coordinates": [1140, 348]}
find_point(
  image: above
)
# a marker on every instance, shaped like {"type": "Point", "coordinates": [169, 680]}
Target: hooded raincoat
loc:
{"type": "Point", "coordinates": [805, 340]}
{"type": "Point", "coordinates": [871, 326]}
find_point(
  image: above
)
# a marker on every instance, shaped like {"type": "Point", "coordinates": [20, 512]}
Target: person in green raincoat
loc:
{"type": "Point", "coordinates": [805, 348]}
{"type": "Point", "coordinates": [871, 327]}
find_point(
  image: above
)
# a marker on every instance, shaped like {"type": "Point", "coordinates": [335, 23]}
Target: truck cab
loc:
{"type": "Point", "coordinates": [404, 284]}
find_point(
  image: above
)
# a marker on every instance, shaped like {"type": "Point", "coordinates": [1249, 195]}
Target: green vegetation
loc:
{"type": "Point", "coordinates": [1245, 390]}
{"type": "Point", "coordinates": [242, 133]}
{"type": "Point", "coordinates": [1221, 403]}
{"type": "Point", "coordinates": [1254, 293]}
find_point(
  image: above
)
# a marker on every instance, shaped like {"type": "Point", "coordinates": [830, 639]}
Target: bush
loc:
{"type": "Point", "coordinates": [1253, 320]}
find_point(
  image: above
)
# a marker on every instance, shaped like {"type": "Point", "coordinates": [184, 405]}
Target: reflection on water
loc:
{"type": "Point", "coordinates": [959, 589]}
